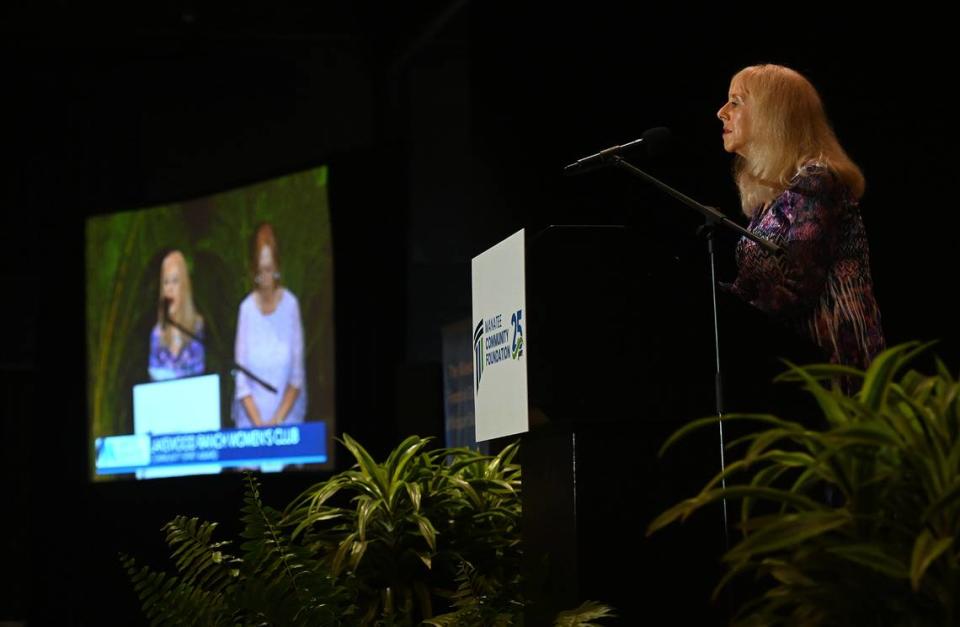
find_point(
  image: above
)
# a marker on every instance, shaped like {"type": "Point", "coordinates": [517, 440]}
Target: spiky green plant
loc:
{"type": "Point", "coordinates": [886, 550]}
{"type": "Point", "coordinates": [411, 522]}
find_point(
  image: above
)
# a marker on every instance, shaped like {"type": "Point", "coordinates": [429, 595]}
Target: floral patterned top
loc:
{"type": "Point", "coordinates": [821, 286]}
{"type": "Point", "coordinates": [165, 365]}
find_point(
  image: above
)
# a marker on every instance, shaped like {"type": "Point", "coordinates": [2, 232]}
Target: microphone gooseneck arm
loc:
{"type": "Point", "coordinates": [711, 214]}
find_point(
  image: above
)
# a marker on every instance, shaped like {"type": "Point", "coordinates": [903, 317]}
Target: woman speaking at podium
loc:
{"type": "Point", "coordinates": [801, 191]}
{"type": "Point", "coordinates": [269, 344]}
{"type": "Point", "coordinates": [173, 354]}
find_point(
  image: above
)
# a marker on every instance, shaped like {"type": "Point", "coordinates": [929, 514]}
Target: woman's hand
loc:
{"type": "Point", "coordinates": [289, 398]}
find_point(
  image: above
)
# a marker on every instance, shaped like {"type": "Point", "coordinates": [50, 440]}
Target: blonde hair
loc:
{"type": "Point", "coordinates": [186, 314]}
{"type": "Point", "coordinates": [788, 129]}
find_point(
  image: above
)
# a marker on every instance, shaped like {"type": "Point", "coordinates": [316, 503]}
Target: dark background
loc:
{"type": "Point", "coordinates": [445, 125]}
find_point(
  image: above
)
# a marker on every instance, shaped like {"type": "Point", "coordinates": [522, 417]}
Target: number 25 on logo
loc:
{"type": "Point", "coordinates": [516, 320]}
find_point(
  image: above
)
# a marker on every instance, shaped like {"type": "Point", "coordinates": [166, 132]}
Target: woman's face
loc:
{"type": "Point", "coordinates": [266, 270]}
{"type": "Point", "coordinates": [735, 115]}
{"type": "Point", "coordinates": [171, 282]}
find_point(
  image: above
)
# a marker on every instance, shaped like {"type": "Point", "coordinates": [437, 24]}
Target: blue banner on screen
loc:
{"type": "Point", "coordinates": [284, 445]}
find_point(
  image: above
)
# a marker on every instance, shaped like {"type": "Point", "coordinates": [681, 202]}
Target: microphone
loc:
{"type": "Point", "coordinates": [165, 314]}
{"type": "Point", "coordinates": [654, 140]}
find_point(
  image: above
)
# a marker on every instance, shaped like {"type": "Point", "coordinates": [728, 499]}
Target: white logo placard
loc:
{"type": "Point", "coordinates": [499, 340]}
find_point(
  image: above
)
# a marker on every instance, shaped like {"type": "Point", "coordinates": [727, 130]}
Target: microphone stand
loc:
{"type": "Point", "coordinates": [712, 219]}
{"type": "Point", "coordinates": [233, 365]}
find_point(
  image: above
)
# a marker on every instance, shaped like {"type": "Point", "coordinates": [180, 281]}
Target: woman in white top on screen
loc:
{"type": "Point", "coordinates": [269, 344]}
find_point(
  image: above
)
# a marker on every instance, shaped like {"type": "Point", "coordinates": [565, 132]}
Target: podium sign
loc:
{"type": "Point", "coordinates": [177, 405]}
{"type": "Point", "coordinates": [499, 340]}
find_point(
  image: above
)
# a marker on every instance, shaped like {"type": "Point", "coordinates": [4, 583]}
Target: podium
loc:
{"type": "Point", "coordinates": [177, 406]}
{"type": "Point", "coordinates": [620, 351]}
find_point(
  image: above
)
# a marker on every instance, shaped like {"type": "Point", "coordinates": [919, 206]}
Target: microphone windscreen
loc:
{"type": "Point", "coordinates": [657, 140]}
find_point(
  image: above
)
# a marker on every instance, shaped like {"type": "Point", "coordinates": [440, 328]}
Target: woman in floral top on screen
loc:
{"type": "Point", "coordinates": [173, 354]}
{"type": "Point", "coordinates": [800, 190]}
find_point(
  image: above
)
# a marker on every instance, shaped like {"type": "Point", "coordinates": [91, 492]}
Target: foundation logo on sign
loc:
{"type": "Point", "coordinates": [495, 342]}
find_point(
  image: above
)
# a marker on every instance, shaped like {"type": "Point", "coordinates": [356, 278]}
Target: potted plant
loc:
{"type": "Point", "coordinates": [425, 537]}
{"type": "Point", "coordinates": [855, 521]}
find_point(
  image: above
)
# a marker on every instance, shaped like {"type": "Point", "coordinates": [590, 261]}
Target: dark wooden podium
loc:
{"type": "Point", "coordinates": [620, 355]}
